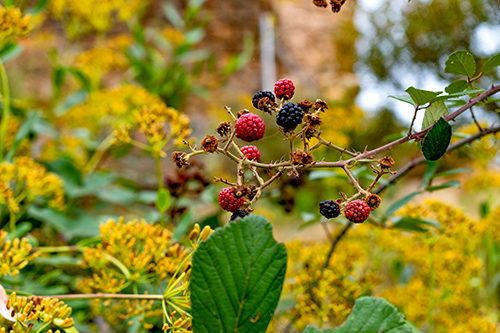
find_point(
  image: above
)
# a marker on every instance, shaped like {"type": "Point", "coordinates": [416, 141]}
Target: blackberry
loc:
{"type": "Point", "coordinates": [249, 127]}
{"type": "Point", "coordinates": [261, 94]}
{"type": "Point", "coordinates": [251, 152]}
{"type": "Point", "coordinates": [284, 88]}
{"type": "Point", "coordinates": [289, 116]}
{"type": "Point", "coordinates": [329, 209]}
{"type": "Point", "coordinates": [357, 211]}
{"type": "Point", "coordinates": [238, 214]}
{"type": "Point", "coordinates": [228, 201]}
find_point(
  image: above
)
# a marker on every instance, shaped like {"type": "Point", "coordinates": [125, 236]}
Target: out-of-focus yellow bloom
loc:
{"type": "Point", "coordinates": [24, 181]}
{"type": "Point", "coordinates": [100, 60]}
{"type": "Point", "coordinates": [14, 254]}
{"type": "Point", "coordinates": [82, 16]}
{"type": "Point", "coordinates": [13, 24]}
{"type": "Point", "coordinates": [336, 131]}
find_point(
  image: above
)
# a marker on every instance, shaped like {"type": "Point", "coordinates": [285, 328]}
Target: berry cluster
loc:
{"type": "Point", "coordinates": [356, 211]}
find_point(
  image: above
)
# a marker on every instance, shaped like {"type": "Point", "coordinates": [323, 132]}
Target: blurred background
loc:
{"type": "Point", "coordinates": [85, 65]}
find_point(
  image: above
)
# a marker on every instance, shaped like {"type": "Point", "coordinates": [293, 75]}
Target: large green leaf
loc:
{"type": "Point", "coordinates": [371, 315]}
{"type": "Point", "coordinates": [457, 86]}
{"type": "Point", "coordinates": [433, 113]}
{"type": "Point", "coordinates": [237, 278]}
{"type": "Point", "coordinates": [437, 140]}
{"type": "Point", "coordinates": [461, 63]}
{"type": "Point", "coordinates": [422, 97]}
{"type": "Point", "coordinates": [491, 63]}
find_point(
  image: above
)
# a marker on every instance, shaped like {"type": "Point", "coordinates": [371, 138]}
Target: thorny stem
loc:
{"type": "Point", "coordinates": [410, 165]}
{"type": "Point", "coordinates": [475, 120]}
{"type": "Point", "coordinates": [413, 120]}
{"type": "Point", "coordinates": [331, 145]}
{"type": "Point", "coordinates": [354, 181]}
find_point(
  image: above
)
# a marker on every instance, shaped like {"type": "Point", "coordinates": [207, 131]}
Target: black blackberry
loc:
{"type": "Point", "coordinates": [329, 209]}
{"type": "Point", "coordinates": [261, 94]}
{"type": "Point", "coordinates": [238, 214]}
{"type": "Point", "coordinates": [289, 116]}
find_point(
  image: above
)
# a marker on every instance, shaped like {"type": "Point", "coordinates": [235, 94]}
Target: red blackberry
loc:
{"type": "Point", "coordinates": [261, 94]}
{"type": "Point", "coordinates": [249, 127]}
{"type": "Point", "coordinates": [357, 211]}
{"type": "Point", "coordinates": [228, 201]}
{"type": "Point", "coordinates": [329, 209]}
{"type": "Point", "coordinates": [238, 214]}
{"type": "Point", "coordinates": [251, 152]}
{"type": "Point", "coordinates": [289, 116]}
{"type": "Point", "coordinates": [284, 88]}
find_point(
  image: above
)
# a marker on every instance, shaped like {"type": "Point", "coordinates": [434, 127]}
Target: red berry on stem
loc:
{"type": "Point", "coordinates": [249, 127]}
{"type": "Point", "coordinates": [251, 152]}
{"type": "Point", "coordinates": [357, 211]}
{"type": "Point", "coordinates": [228, 201]}
{"type": "Point", "coordinates": [284, 88]}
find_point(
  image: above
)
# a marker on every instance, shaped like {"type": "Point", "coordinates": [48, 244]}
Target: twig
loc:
{"type": "Point", "coordinates": [413, 120]}
{"type": "Point", "coordinates": [334, 243]}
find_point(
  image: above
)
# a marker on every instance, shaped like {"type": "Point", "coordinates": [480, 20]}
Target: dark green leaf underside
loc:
{"type": "Point", "coordinates": [437, 140]}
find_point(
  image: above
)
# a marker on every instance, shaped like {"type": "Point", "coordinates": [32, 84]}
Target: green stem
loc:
{"type": "Point", "coordinates": [6, 108]}
{"type": "Point", "coordinates": [57, 249]}
{"type": "Point", "coordinates": [158, 171]}
{"type": "Point", "coordinates": [43, 327]}
{"type": "Point", "coordinates": [101, 149]}
{"type": "Point", "coordinates": [12, 223]}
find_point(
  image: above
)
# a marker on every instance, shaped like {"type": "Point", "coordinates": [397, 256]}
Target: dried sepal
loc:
{"type": "Point", "coordinates": [209, 144]}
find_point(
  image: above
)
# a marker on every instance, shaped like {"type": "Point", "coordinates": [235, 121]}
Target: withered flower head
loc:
{"type": "Point", "coordinates": [224, 129]}
{"type": "Point", "coordinates": [305, 105]}
{"type": "Point", "coordinates": [386, 162]}
{"type": "Point", "coordinates": [209, 144]}
{"type": "Point", "coordinates": [241, 191]}
{"type": "Point", "coordinates": [313, 119]}
{"type": "Point", "coordinates": [180, 158]}
{"type": "Point", "coordinates": [310, 132]}
{"type": "Point", "coordinates": [242, 112]}
{"type": "Point", "coordinates": [320, 3]}
{"type": "Point", "coordinates": [373, 201]}
{"type": "Point", "coordinates": [337, 5]}
{"type": "Point", "coordinates": [266, 104]}
{"type": "Point", "coordinates": [253, 191]}
{"type": "Point", "coordinates": [301, 157]}
{"type": "Point", "coordinates": [319, 104]}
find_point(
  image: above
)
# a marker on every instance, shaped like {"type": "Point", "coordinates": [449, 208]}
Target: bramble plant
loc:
{"type": "Point", "coordinates": [86, 247]}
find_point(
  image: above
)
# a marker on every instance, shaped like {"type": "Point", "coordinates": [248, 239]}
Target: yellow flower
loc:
{"type": "Point", "coordinates": [13, 25]}
{"type": "Point", "coordinates": [14, 254]}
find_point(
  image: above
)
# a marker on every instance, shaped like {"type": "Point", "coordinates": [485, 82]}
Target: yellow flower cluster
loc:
{"type": "Point", "coordinates": [13, 24]}
{"type": "Point", "coordinates": [151, 121]}
{"type": "Point", "coordinates": [29, 311]}
{"type": "Point", "coordinates": [327, 296]}
{"type": "Point", "coordinates": [14, 254]}
{"type": "Point", "coordinates": [101, 60]}
{"type": "Point", "coordinates": [82, 16]}
{"type": "Point", "coordinates": [25, 180]}
{"type": "Point", "coordinates": [131, 252]}
{"type": "Point", "coordinates": [442, 291]}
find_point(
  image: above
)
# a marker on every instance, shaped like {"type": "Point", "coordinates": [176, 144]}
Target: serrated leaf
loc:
{"type": "Point", "coordinates": [433, 113]}
{"type": "Point", "coordinates": [454, 183]}
{"type": "Point", "coordinates": [163, 200]}
{"type": "Point", "coordinates": [237, 278]}
{"type": "Point", "coordinates": [437, 140]}
{"type": "Point", "coordinates": [457, 86]}
{"type": "Point", "coordinates": [491, 63]}
{"type": "Point", "coordinates": [461, 63]}
{"type": "Point", "coordinates": [371, 315]}
{"type": "Point", "coordinates": [400, 203]}
{"type": "Point", "coordinates": [420, 96]}
{"type": "Point", "coordinates": [414, 224]}
{"type": "Point", "coordinates": [403, 98]}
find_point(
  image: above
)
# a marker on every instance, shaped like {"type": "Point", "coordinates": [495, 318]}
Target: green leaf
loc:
{"type": "Point", "coordinates": [451, 172]}
{"type": "Point", "coordinates": [403, 98]}
{"type": "Point", "coordinates": [400, 203]}
{"type": "Point", "coordinates": [491, 63]}
{"type": "Point", "coordinates": [431, 168]}
{"type": "Point", "coordinates": [371, 315]}
{"type": "Point", "coordinates": [414, 224]}
{"type": "Point", "coordinates": [163, 200]}
{"type": "Point", "coordinates": [25, 129]}
{"type": "Point", "coordinates": [58, 76]}
{"type": "Point", "coordinates": [461, 63]}
{"type": "Point", "coordinates": [471, 93]}
{"type": "Point", "coordinates": [454, 183]}
{"type": "Point", "coordinates": [421, 97]}
{"type": "Point", "coordinates": [433, 113]}
{"type": "Point", "coordinates": [457, 86]}
{"type": "Point", "coordinates": [10, 51]}
{"type": "Point", "coordinates": [237, 278]}
{"type": "Point", "coordinates": [437, 140]}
